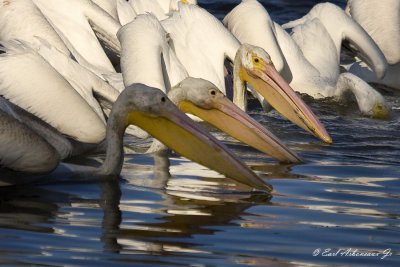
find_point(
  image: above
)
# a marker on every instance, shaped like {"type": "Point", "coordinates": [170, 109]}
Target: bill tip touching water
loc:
{"type": "Point", "coordinates": [156, 114]}
{"type": "Point", "coordinates": [146, 107]}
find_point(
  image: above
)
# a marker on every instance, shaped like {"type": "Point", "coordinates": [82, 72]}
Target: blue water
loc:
{"type": "Point", "coordinates": [344, 198]}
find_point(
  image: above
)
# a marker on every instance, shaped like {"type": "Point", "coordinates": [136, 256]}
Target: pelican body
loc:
{"type": "Point", "coordinates": [381, 19]}
{"type": "Point", "coordinates": [79, 23]}
{"type": "Point", "coordinates": [148, 58]}
{"type": "Point", "coordinates": [298, 56]}
{"type": "Point", "coordinates": [147, 107]}
{"type": "Point", "coordinates": [342, 28]}
{"type": "Point", "coordinates": [23, 20]}
{"type": "Point", "coordinates": [191, 30]}
{"type": "Point", "coordinates": [161, 9]}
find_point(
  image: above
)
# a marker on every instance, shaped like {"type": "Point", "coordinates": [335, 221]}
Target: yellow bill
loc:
{"type": "Point", "coordinates": [180, 133]}
{"type": "Point", "coordinates": [227, 117]}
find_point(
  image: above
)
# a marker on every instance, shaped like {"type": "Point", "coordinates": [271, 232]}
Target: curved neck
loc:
{"type": "Point", "coordinates": [116, 126]}
{"type": "Point", "coordinates": [239, 86]}
{"type": "Point", "coordinates": [368, 99]}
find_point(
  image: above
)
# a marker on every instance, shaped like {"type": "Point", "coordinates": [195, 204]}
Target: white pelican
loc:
{"type": "Point", "coordinates": [78, 22]}
{"type": "Point", "coordinates": [202, 44]}
{"type": "Point", "coordinates": [27, 143]}
{"type": "Point", "coordinates": [22, 20]}
{"type": "Point", "coordinates": [128, 10]}
{"type": "Point", "coordinates": [341, 27]}
{"type": "Point", "coordinates": [110, 6]}
{"type": "Point", "coordinates": [29, 81]}
{"type": "Point", "coordinates": [88, 84]}
{"type": "Point", "coordinates": [27, 150]}
{"type": "Point", "coordinates": [381, 19]}
{"type": "Point", "coordinates": [250, 23]}
{"type": "Point", "coordinates": [147, 58]}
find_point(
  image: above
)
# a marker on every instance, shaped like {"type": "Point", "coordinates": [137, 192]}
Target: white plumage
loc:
{"type": "Point", "coordinates": [306, 70]}
{"type": "Point", "coordinates": [340, 27]}
{"type": "Point", "coordinates": [78, 22]}
{"type": "Point", "coordinates": [90, 86]}
{"type": "Point", "coordinates": [146, 55]}
{"type": "Point", "coordinates": [29, 81]}
{"type": "Point", "coordinates": [21, 149]}
{"type": "Point", "coordinates": [110, 6]}
{"type": "Point", "coordinates": [235, 22]}
{"type": "Point", "coordinates": [381, 19]}
{"type": "Point", "coordinates": [125, 12]}
{"type": "Point", "coordinates": [22, 20]}
{"type": "Point", "coordinates": [161, 9]}
{"type": "Point", "coordinates": [201, 43]}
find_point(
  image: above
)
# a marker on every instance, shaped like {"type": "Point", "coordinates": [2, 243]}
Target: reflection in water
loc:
{"type": "Point", "coordinates": [179, 217]}
{"type": "Point", "coordinates": [109, 201]}
{"type": "Point", "coordinates": [160, 221]}
{"type": "Point", "coordinates": [21, 208]}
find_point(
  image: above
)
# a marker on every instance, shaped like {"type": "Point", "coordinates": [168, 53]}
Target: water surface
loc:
{"type": "Point", "coordinates": [346, 196]}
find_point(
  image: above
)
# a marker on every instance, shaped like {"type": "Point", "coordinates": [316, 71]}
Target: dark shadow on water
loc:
{"type": "Point", "coordinates": [35, 208]}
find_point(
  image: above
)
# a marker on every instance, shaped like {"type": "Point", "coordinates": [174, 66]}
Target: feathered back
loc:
{"type": "Point", "coordinates": [79, 22]}
{"type": "Point", "coordinates": [85, 82]}
{"type": "Point", "coordinates": [318, 47]}
{"type": "Point", "coordinates": [250, 23]}
{"type": "Point", "coordinates": [125, 12]}
{"type": "Point", "coordinates": [21, 149]}
{"type": "Point", "coordinates": [146, 6]}
{"type": "Point", "coordinates": [201, 42]}
{"type": "Point", "coordinates": [381, 19]}
{"type": "Point", "coordinates": [159, 8]}
{"type": "Point", "coordinates": [146, 56]}
{"type": "Point", "coordinates": [109, 6]}
{"type": "Point", "coordinates": [28, 81]}
{"type": "Point", "coordinates": [342, 27]}
{"type": "Point", "coordinates": [22, 20]}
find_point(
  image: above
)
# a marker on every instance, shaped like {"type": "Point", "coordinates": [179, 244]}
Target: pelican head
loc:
{"type": "Point", "coordinates": [150, 109]}
{"type": "Point", "coordinates": [253, 65]}
{"type": "Point", "coordinates": [204, 100]}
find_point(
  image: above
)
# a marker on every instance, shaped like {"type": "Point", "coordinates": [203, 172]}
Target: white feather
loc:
{"type": "Point", "coordinates": [125, 12]}
{"type": "Point", "coordinates": [77, 21]}
{"type": "Point", "coordinates": [22, 20]}
{"type": "Point", "coordinates": [201, 43]}
{"type": "Point", "coordinates": [146, 55]}
{"type": "Point", "coordinates": [314, 46]}
{"type": "Point", "coordinates": [381, 19]}
{"type": "Point", "coordinates": [110, 6]}
{"type": "Point", "coordinates": [248, 30]}
{"type": "Point", "coordinates": [146, 6]}
{"type": "Point", "coordinates": [21, 149]}
{"type": "Point", "coordinates": [342, 27]}
{"type": "Point", "coordinates": [86, 83]}
{"type": "Point", "coordinates": [317, 47]}
{"type": "Point", "coordinates": [391, 79]}
{"type": "Point", "coordinates": [28, 81]}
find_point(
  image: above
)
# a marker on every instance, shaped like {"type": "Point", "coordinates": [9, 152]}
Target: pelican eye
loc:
{"type": "Point", "coordinates": [163, 99]}
{"type": "Point", "coordinates": [212, 92]}
{"type": "Point", "coordinates": [256, 60]}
